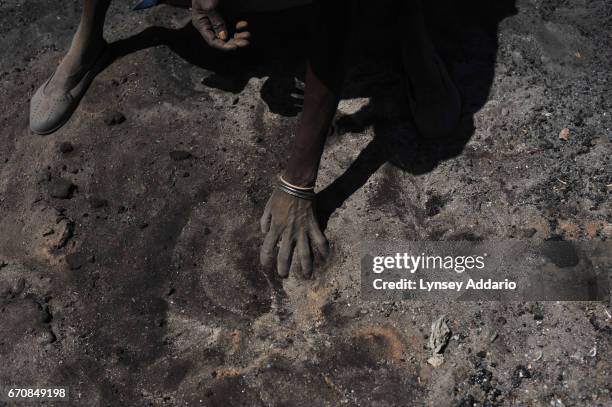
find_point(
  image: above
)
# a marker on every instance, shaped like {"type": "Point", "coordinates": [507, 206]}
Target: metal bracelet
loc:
{"type": "Point", "coordinates": [300, 193]}
{"type": "Point", "coordinates": [284, 181]}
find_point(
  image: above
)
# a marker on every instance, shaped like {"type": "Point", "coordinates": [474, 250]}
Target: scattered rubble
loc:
{"type": "Point", "coordinates": [66, 226]}
{"type": "Point", "coordinates": [180, 155]}
{"type": "Point", "coordinates": [113, 117]}
{"type": "Point", "coordinates": [96, 202]}
{"type": "Point", "coordinates": [520, 373]}
{"type": "Point", "coordinates": [76, 260]}
{"type": "Point", "coordinates": [66, 147]}
{"type": "Point", "coordinates": [438, 339]}
{"type": "Point", "coordinates": [121, 317]}
{"type": "Point", "coordinates": [60, 188]}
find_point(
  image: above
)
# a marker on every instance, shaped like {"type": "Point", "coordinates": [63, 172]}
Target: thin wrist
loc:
{"type": "Point", "coordinates": [288, 188]}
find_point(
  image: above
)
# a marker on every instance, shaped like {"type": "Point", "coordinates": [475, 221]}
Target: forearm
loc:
{"type": "Point", "coordinates": [320, 105]}
{"type": "Point", "coordinates": [325, 74]}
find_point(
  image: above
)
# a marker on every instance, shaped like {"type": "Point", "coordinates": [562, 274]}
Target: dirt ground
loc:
{"type": "Point", "coordinates": [141, 285]}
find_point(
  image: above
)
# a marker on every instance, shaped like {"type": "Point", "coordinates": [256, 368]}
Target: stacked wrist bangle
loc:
{"type": "Point", "coordinates": [300, 192]}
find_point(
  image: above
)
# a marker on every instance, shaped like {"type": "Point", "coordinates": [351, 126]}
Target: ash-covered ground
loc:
{"type": "Point", "coordinates": [129, 239]}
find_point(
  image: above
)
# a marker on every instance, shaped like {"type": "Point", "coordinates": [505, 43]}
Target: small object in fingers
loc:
{"type": "Point", "coordinates": [223, 35]}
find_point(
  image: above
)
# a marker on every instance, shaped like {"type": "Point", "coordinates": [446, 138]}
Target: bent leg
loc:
{"type": "Point", "coordinates": [434, 99]}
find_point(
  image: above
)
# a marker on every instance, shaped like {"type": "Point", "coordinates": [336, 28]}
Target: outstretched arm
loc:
{"type": "Point", "coordinates": [288, 218]}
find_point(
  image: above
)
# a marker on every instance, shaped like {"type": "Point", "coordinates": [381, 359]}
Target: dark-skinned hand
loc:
{"type": "Point", "coordinates": [292, 221]}
{"type": "Point", "coordinates": [207, 19]}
